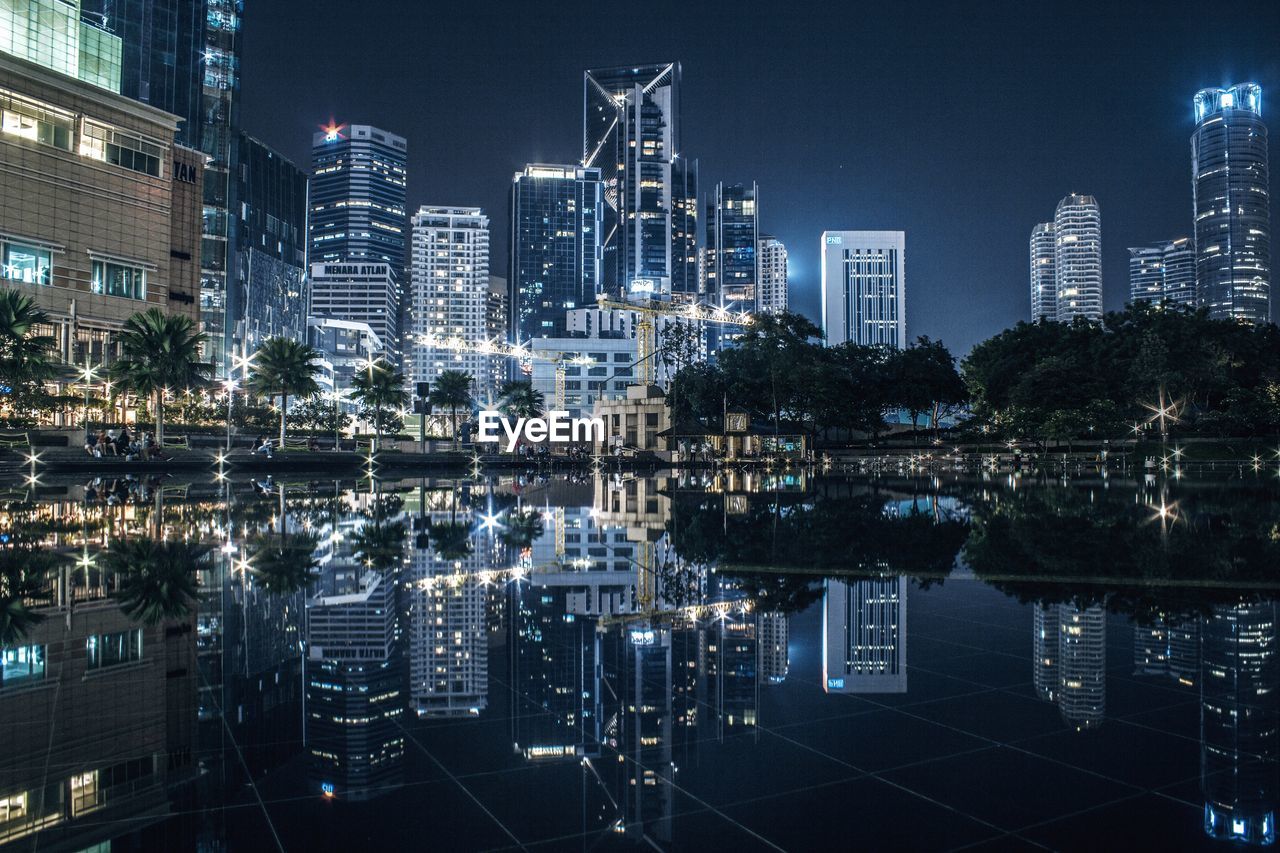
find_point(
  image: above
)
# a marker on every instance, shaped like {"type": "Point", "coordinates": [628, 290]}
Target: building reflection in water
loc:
{"type": "Point", "coordinates": [864, 636]}
{"type": "Point", "coordinates": [1240, 723]}
{"type": "Point", "coordinates": [1069, 661]}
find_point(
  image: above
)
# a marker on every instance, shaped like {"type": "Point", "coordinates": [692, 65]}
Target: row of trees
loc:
{"type": "Point", "coordinates": [780, 371]}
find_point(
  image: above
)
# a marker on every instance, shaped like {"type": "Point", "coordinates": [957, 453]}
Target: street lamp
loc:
{"type": "Point", "coordinates": [230, 385]}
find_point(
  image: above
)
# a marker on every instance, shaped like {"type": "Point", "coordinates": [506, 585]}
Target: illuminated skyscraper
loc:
{"type": "Point", "coordinates": [1077, 258]}
{"type": "Point", "coordinates": [1082, 665]}
{"type": "Point", "coordinates": [771, 294]}
{"type": "Point", "coordinates": [1231, 198]}
{"type": "Point", "coordinates": [1044, 651]}
{"type": "Point", "coordinates": [631, 132]}
{"type": "Point", "coordinates": [1164, 272]}
{"type": "Point", "coordinates": [54, 34]}
{"type": "Point", "coordinates": [557, 222]}
{"type": "Point", "coordinates": [449, 295]}
{"type": "Point", "coordinates": [864, 636]}
{"type": "Point", "coordinates": [772, 633]}
{"type": "Point", "coordinates": [863, 287]}
{"type": "Point", "coordinates": [732, 232]}
{"type": "Point", "coordinates": [1044, 284]}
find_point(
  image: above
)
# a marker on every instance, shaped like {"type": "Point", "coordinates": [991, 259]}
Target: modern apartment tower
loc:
{"type": "Point", "coordinates": [1163, 273]}
{"type": "Point", "coordinates": [1231, 198]}
{"type": "Point", "coordinates": [863, 287]}
{"type": "Point", "coordinates": [1044, 282]}
{"type": "Point", "coordinates": [771, 290]}
{"type": "Point", "coordinates": [557, 223]}
{"type": "Point", "coordinates": [1077, 258]}
{"type": "Point", "coordinates": [449, 295]}
{"type": "Point", "coordinates": [631, 132]}
{"type": "Point", "coordinates": [732, 233]}
{"type": "Point", "coordinates": [358, 179]}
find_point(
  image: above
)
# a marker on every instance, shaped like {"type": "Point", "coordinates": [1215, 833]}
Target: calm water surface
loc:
{"type": "Point", "coordinates": [684, 663]}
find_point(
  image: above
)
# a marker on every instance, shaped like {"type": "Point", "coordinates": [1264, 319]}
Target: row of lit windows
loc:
{"type": "Point", "coordinates": [49, 126]}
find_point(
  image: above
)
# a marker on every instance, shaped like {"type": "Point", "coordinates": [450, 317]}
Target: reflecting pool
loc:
{"type": "Point", "coordinates": [682, 661]}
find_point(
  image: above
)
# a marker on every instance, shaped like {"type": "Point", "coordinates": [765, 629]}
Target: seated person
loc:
{"type": "Point", "coordinates": [262, 445]}
{"type": "Point", "coordinates": [106, 444]}
{"type": "Point", "coordinates": [91, 443]}
{"type": "Point", "coordinates": [123, 441]}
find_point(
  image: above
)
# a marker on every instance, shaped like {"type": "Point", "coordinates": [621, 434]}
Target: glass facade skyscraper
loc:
{"type": "Point", "coordinates": [732, 232]}
{"type": "Point", "coordinates": [60, 35]}
{"type": "Point", "coordinates": [557, 215]}
{"type": "Point", "coordinates": [631, 132]}
{"type": "Point", "coordinates": [1077, 258]}
{"type": "Point", "coordinates": [863, 287]}
{"type": "Point", "coordinates": [1231, 200]}
{"type": "Point", "coordinates": [1164, 272]}
{"type": "Point", "coordinates": [1044, 284]}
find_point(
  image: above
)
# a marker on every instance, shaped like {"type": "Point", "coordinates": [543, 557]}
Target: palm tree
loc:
{"type": "Point", "coordinates": [378, 388]}
{"type": "Point", "coordinates": [26, 358]}
{"type": "Point", "coordinates": [284, 563]}
{"type": "Point", "coordinates": [157, 578]}
{"type": "Point", "coordinates": [452, 391]}
{"type": "Point", "coordinates": [24, 574]}
{"type": "Point", "coordinates": [284, 367]}
{"type": "Point", "coordinates": [519, 399]}
{"type": "Point", "coordinates": [380, 545]}
{"type": "Point", "coordinates": [160, 352]}
{"type": "Point", "coordinates": [522, 528]}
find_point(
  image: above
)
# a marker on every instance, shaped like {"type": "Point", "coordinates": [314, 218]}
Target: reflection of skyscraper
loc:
{"type": "Point", "coordinates": [448, 644]}
{"type": "Point", "coordinates": [1240, 723]}
{"type": "Point", "coordinates": [733, 686]}
{"type": "Point", "coordinates": [1044, 645]}
{"type": "Point", "coordinates": [555, 674]}
{"type": "Point", "coordinates": [354, 700]}
{"type": "Point", "coordinates": [645, 732]}
{"type": "Point", "coordinates": [1169, 648]}
{"type": "Point", "coordinates": [1082, 665]}
{"type": "Point", "coordinates": [864, 636]}
{"type": "Point", "coordinates": [772, 633]}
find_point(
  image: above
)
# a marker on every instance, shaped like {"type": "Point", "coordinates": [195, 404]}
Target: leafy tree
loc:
{"type": "Point", "coordinates": [283, 367]}
{"type": "Point", "coordinates": [157, 578]}
{"type": "Point", "coordinates": [159, 353]}
{"type": "Point", "coordinates": [519, 399]}
{"type": "Point", "coordinates": [452, 391]}
{"type": "Point", "coordinates": [27, 359]}
{"type": "Point", "coordinates": [379, 389]}
{"type": "Point", "coordinates": [926, 380]}
{"type": "Point", "coordinates": [317, 414]}
{"type": "Point", "coordinates": [24, 575]}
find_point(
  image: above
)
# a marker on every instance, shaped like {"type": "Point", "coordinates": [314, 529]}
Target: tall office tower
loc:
{"type": "Point", "coordinates": [863, 287]}
{"type": "Point", "coordinates": [1044, 651]}
{"type": "Point", "coordinates": [357, 208]}
{"type": "Point", "coordinates": [449, 294]}
{"type": "Point", "coordinates": [1082, 665]}
{"type": "Point", "coordinates": [59, 35]}
{"type": "Point", "coordinates": [1230, 186]}
{"type": "Point", "coordinates": [732, 232]}
{"type": "Point", "coordinates": [1044, 283]}
{"type": "Point", "coordinates": [448, 644]}
{"type": "Point", "coordinates": [557, 222]}
{"type": "Point", "coordinates": [1163, 272]}
{"type": "Point", "coordinates": [771, 294]}
{"type": "Point", "coordinates": [1240, 722]}
{"type": "Point", "coordinates": [772, 631]}
{"type": "Point", "coordinates": [864, 636]}
{"type": "Point", "coordinates": [267, 249]}
{"type": "Point", "coordinates": [359, 293]}
{"type": "Point", "coordinates": [1077, 258]}
{"type": "Point", "coordinates": [497, 320]}
{"type": "Point", "coordinates": [1169, 647]}
{"type": "Point", "coordinates": [631, 133]}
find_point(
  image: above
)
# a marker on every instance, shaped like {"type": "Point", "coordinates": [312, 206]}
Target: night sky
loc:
{"type": "Point", "coordinates": [962, 124]}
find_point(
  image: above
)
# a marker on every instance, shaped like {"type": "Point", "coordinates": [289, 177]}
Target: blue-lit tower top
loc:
{"type": "Point", "coordinates": [1242, 96]}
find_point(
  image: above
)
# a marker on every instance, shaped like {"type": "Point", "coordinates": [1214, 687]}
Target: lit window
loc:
{"type": "Point", "coordinates": [26, 264]}
{"type": "Point", "coordinates": [112, 279]}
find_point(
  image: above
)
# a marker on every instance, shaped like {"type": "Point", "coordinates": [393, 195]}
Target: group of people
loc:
{"type": "Point", "coordinates": [123, 445]}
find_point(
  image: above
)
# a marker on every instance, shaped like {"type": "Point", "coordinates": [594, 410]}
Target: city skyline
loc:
{"type": "Point", "coordinates": [922, 170]}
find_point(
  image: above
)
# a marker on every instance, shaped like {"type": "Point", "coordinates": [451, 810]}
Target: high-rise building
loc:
{"type": "Point", "coordinates": [771, 292]}
{"type": "Point", "coordinates": [1163, 272]}
{"type": "Point", "coordinates": [1077, 258]}
{"type": "Point", "coordinates": [864, 636]}
{"type": "Point", "coordinates": [449, 295]}
{"type": "Point", "coordinates": [1044, 281]}
{"type": "Point", "coordinates": [1044, 651]}
{"type": "Point", "coordinates": [772, 631]}
{"type": "Point", "coordinates": [732, 233]}
{"type": "Point", "coordinates": [267, 248]}
{"type": "Point", "coordinates": [1082, 665]}
{"type": "Point", "coordinates": [360, 293]}
{"type": "Point", "coordinates": [631, 132]}
{"type": "Point", "coordinates": [557, 222]}
{"type": "Point", "coordinates": [1231, 200]}
{"type": "Point", "coordinates": [863, 287]}
{"type": "Point", "coordinates": [56, 35]}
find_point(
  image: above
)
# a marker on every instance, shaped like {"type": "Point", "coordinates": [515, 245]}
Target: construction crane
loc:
{"type": "Point", "coordinates": [520, 352]}
{"type": "Point", "coordinates": [646, 327]}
